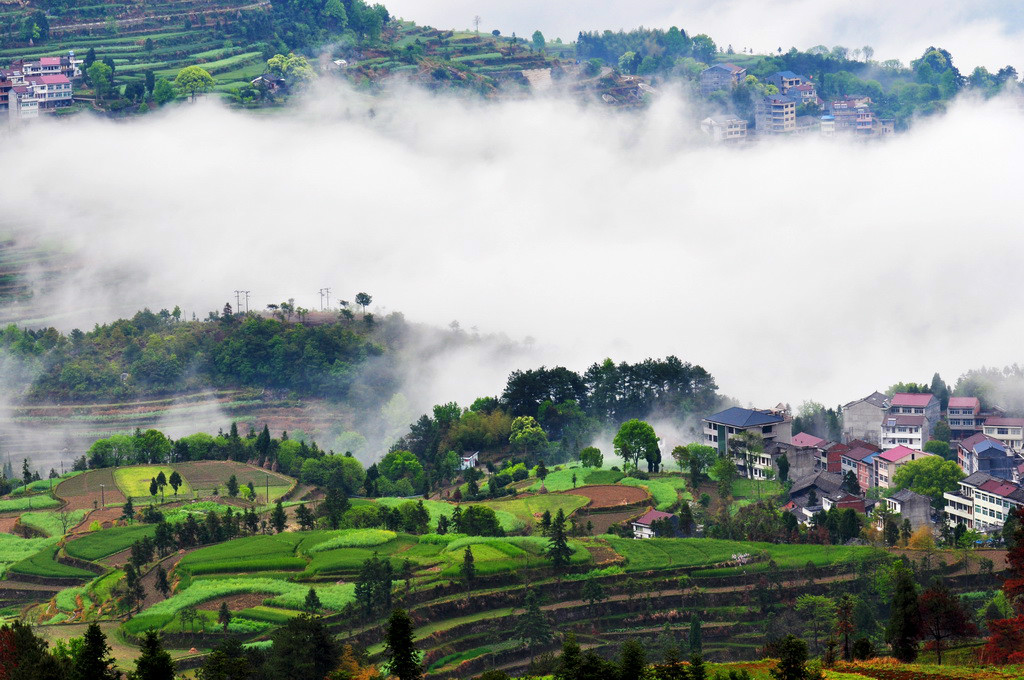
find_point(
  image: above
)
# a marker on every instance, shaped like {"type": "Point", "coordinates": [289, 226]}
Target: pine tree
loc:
{"type": "Point", "coordinates": [696, 644]}
{"type": "Point", "coordinates": [224, 615]}
{"type": "Point", "coordinates": [845, 624]}
{"type": "Point", "coordinates": [312, 602]}
{"type": "Point", "coordinates": [128, 511]}
{"type": "Point", "coordinates": [633, 660]}
{"type": "Point", "coordinates": [154, 663]}
{"type": "Point", "coordinates": [93, 660]}
{"type": "Point", "coordinates": [232, 485]}
{"type": "Point", "coordinates": [162, 585]}
{"type": "Point", "coordinates": [904, 621]}
{"type": "Point", "coordinates": [399, 649]}
{"type": "Point", "coordinates": [278, 519]}
{"type": "Point", "coordinates": [792, 659]}
{"type": "Point", "coordinates": [545, 523]}
{"type": "Point", "coordinates": [697, 670]}
{"type": "Point", "coordinates": [571, 661]}
{"type": "Point", "coordinates": [468, 568]}
{"type": "Point", "coordinates": [532, 627]}
{"type": "Point", "coordinates": [558, 550]}
{"type": "Point", "coordinates": [175, 481]}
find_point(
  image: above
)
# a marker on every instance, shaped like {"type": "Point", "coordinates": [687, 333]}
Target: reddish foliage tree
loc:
{"type": "Point", "coordinates": [1006, 642]}
{"type": "Point", "coordinates": [8, 653]}
{"type": "Point", "coordinates": [943, 618]}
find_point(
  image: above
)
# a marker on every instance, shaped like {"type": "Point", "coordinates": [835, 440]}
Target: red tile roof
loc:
{"type": "Point", "coordinates": [53, 80]}
{"type": "Point", "coordinates": [806, 439]}
{"type": "Point", "coordinates": [975, 439]}
{"type": "Point", "coordinates": [861, 444]}
{"type": "Point", "coordinates": [907, 399]}
{"type": "Point", "coordinates": [49, 61]}
{"type": "Point", "coordinates": [964, 402]}
{"type": "Point", "coordinates": [897, 454]}
{"type": "Point", "coordinates": [997, 487]}
{"type": "Point", "coordinates": [858, 454]}
{"type": "Point", "coordinates": [1005, 422]}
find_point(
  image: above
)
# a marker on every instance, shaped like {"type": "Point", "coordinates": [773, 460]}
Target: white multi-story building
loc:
{"type": "Point", "coordinates": [983, 502]}
{"type": "Point", "coordinates": [909, 431]}
{"type": "Point", "coordinates": [28, 87]}
{"type": "Point", "coordinates": [1009, 431]}
{"type": "Point", "coordinates": [724, 128]}
{"type": "Point", "coordinates": [888, 462]}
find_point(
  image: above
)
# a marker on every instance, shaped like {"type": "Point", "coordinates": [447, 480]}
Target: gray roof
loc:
{"type": "Point", "coordinates": [876, 399]}
{"type": "Point", "coordinates": [906, 495]}
{"type": "Point", "coordinates": [826, 482]}
{"type": "Point", "coordinates": [744, 417]}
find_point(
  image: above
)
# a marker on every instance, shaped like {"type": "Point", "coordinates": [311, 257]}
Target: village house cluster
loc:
{"type": "Point", "coordinates": [28, 88]}
{"type": "Point", "coordinates": [880, 435]}
{"type": "Point", "coordinates": [778, 114]}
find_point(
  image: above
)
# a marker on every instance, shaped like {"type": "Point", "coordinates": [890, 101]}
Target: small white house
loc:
{"type": "Point", "coordinates": [642, 526]}
{"type": "Point", "coordinates": [470, 460]}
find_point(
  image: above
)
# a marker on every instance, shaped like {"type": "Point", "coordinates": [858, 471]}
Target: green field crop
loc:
{"type": "Point", "coordinates": [43, 563]}
{"type": "Point", "coordinates": [561, 480]}
{"type": "Point", "coordinates": [354, 538]}
{"type": "Point", "coordinates": [14, 549]}
{"type": "Point", "coordinates": [508, 521]}
{"type": "Point", "coordinates": [99, 544]}
{"type": "Point", "coordinates": [67, 599]}
{"type": "Point", "coordinates": [529, 509]}
{"type": "Point", "coordinates": [603, 476]}
{"type": "Point", "coordinates": [49, 522]}
{"type": "Point", "coordinates": [670, 553]}
{"type": "Point", "coordinates": [42, 484]}
{"type": "Point", "coordinates": [134, 481]}
{"type": "Point", "coordinates": [281, 593]}
{"type": "Point", "coordinates": [252, 553]}
{"type": "Point", "coordinates": [664, 493]}
{"type": "Point", "coordinates": [269, 614]}
{"type": "Point", "coordinates": [38, 502]}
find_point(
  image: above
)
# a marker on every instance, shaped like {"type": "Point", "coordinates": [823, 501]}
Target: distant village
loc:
{"type": "Point", "coordinates": [880, 434]}
{"type": "Point", "coordinates": [776, 114]}
{"type": "Point", "coordinates": [30, 87]}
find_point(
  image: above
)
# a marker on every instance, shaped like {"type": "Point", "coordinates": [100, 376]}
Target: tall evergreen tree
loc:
{"type": "Point", "coordinates": [312, 602]}
{"type": "Point", "coordinates": [904, 622]}
{"type": "Point", "coordinates": [399, 649]}
{"type": "Point", "coordinates": [154, 663]}
{"type": "Point", "coordinates": [532, 627]}
{"type": "Point", "coordinates": [224, 616]}
{"type": "Point", "coordinates": [468, 568]}
{"type": "Point", "coordinates": [162, 585]}
{"type": "Point", "coordinates": [558, 550]}
{"type": "Point", "coordinates": [278, 519]}
{"type": "Point", "coordinates": [302, 649]}
{"type": "Point", "coordinates": [571, 660]}
{"type": "Point", "coordinates": [93, 660]}
{"type": "Point", "coordinates": [696, 644]}
{"type": "Point", "coordinates": [845, 626]}
{"type": "Point", "coordinates": [633, 661]}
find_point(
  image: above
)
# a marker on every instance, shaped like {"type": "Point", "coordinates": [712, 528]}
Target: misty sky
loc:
{"type": "Point", "coordinates": [985, 32]}
{"type": "Point", "coordinates": [798, 270]}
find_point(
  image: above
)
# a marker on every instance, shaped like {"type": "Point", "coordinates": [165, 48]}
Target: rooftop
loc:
{"type": "Point", "coordinates": [964, 402]}
{"type": "Point", "coordinates": [875, 399]}
{"type": "Point", "coordinates": [744, 417]}
{"type": "Point", "coordinates": [971, 442]}
{"type": "Point", "coordinates": [806, 439]}
{"type": "Point", "coordinates": [651, 517]}
{"type": "Point", "coordinates": [1005, 422]}
{"type": "Point", "coordinates": [915, 400]}
{"type": "Point", "coordinates": [905, 495]}
{"type": "Point", "coordinates": [859, 453]}
{"type": "Point", "coordinates": [899, 453]}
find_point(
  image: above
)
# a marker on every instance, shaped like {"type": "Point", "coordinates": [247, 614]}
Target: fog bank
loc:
{"type": "Point", "coordinates": [795, 270]}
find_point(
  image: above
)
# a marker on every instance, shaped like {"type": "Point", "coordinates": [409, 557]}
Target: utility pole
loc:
{"type": "Point", "coordinates": [237, 300]}
{"type": "Point", "coordinates": [321, 299]}
{"type": "Point", "coordinates": [246, 300]}
{"type": "Point", "coordinates": [103, 498]}
{"type": "Point", "coordinates": [327, 291]}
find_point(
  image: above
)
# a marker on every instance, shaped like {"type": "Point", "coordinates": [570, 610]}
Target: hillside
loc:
{"type": "Point", "coordinates": [739, 595]}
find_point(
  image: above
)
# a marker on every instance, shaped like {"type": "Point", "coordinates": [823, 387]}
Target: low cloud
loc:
{"type": "Point", "coordinates": [800, 269]}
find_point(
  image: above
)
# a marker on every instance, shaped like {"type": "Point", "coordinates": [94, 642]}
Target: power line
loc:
{"type": "Point", "coordinates": [246, 300]}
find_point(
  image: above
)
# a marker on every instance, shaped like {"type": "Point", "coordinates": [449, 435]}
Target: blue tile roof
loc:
{"type": "Point", "coordinates": [743, 417]}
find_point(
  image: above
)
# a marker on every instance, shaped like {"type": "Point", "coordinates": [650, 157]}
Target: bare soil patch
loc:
{"type": "Point", "coordinates": [236, 602]}
{"type": "Point", "coordinates": [610, 495]}
{"type": "Point", "coordinates": [602, 521]}
{"type": "Point", "coordinates": [81, 490]}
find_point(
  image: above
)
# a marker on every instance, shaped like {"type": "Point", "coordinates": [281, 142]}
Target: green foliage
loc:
{"type": "Point", "coordinates": [664, 491]}
{"type": "Point", "coordinates": [636, 440]}
{"type": "Point", "coordinates": [281, 593]}
{"type": "Point", "coordinates": [931, 476]}
{"type": "Point", "coordinates": [50, 523]}
{"type": "Point", "coordinates": [99, 544]}
{"type": "Point", "coordinates": [354, 538]}
{"type": "Point", "coordinates": [44, 563]}
{"type": "Point", "coordinates": [38, 502]}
